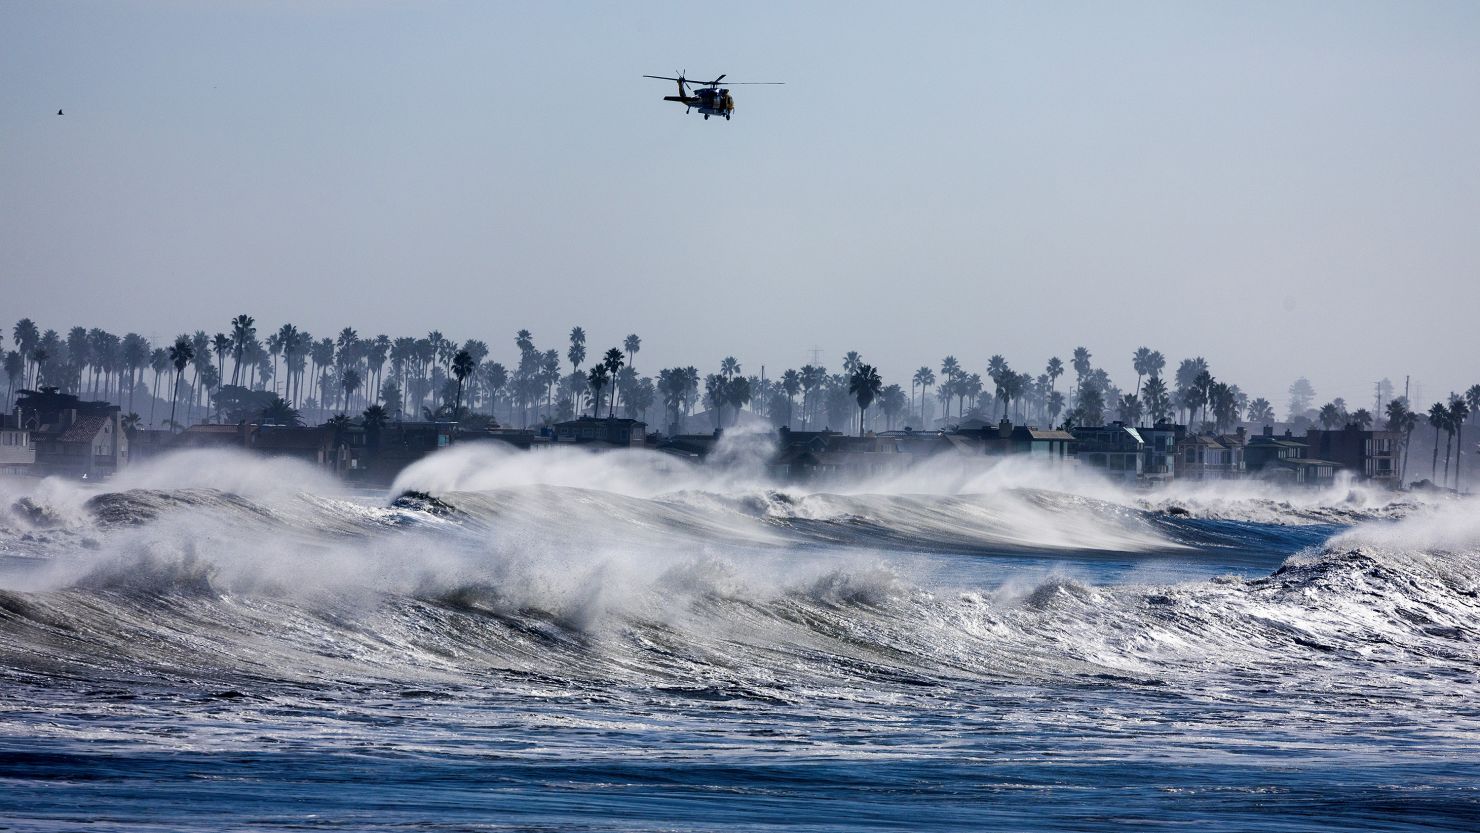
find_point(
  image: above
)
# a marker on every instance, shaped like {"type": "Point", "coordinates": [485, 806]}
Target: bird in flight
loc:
{"type": "Point", "coordinates": [59, 112]}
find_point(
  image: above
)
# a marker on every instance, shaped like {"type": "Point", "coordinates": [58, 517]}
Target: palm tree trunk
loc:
{"type": "Point", "coordinates": [153, 398]}
{"type": "Point", "coordinates": [1459, 451]}
{"type": "Point", "coordinates": [1434, 471]}
{"type": "Point", "coordinates": [194, 394]}
{"type": "Point", "coordinates": [1448, 441]}
{"type": "Point", "coordinates": [174, 400]}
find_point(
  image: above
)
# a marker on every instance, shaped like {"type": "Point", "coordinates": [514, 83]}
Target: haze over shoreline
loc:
{"type": "Point", "coordinates": [1274, 188]}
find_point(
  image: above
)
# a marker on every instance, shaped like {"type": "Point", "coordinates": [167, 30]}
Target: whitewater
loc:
{"type": "Point", "coordinates": [627, 641]}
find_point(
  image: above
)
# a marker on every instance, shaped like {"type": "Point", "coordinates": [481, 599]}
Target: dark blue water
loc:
{"type": "Point", "coordinates": [330, 665]}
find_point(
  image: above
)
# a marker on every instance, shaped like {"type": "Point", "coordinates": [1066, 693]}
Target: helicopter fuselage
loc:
{"type": "Point", "coordinates": [708, 97]}
{"type": "Point", "coordinates": [709, 102]}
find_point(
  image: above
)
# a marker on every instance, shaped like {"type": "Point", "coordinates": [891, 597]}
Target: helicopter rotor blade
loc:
{"type": "Point", "coordinates": [666, 77]}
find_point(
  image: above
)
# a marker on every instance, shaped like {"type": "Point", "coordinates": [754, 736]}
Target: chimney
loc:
{"type": "Point", "coordinates": [1269, 430]}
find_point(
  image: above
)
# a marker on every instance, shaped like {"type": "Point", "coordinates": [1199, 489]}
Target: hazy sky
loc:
{"type": "Point", "coordinates": [1284, 188]}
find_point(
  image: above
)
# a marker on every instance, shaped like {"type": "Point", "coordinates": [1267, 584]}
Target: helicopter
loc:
{"type": "Point", "coordinates": [708, 97]}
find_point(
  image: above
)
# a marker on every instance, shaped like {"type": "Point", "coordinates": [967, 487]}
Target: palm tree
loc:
{"type": "Point", "coordinates": [1129, 409]}
{"type": "Point", "coordinates": [1018, 386]}
{"type": "Point", "coordinates": [791, 383]}
{"type": "Point", "coordinates": [1055, 369]}
{"type": "Point", "coordinates": [597, 380]}
{"type": "Point", "coordinates": [159, 362]}
{"type": "Point", "coordinates": [287, 344]}
{"type": "Point", "coordinates": [280, 412]}
{"type": "Point", "coordinates": [243, 329]}
{"type": "Point", "coordinates": [1141, 361]}
{"type": "Point", "coordinates": [1002, 378]}
{"type": "Point", "coordinates": [1459, 411]}
{"type": "Point", "coordinates": [80, 353]}
{"type": "Point", "coordinates": [716, 392]}
{"type": "Point", "coordinates": [25, 335]}
{"type": "Point", "coordinates": [632, 343]}
{"type": "Point", "coordinates": [375, 419]}
{"type": "Point", "coordinates": [1439, 418]}
{"type": "Point", "coordinates": [612, 361]}
{"type": "Point", "coordinates": [495, 377]}
{"type": "Point", "coordinates": [274, 349]}
{"type": "Point", "coordinates": [864, 384]}
{"type": "Point", "coordinates": [181, 352]}
{"type": "Point", "coordinates": [729, 367]}
{"type": "Point", "coordinates": [1330, 416]}
{"type": "Point", "coordinates": [925, 378]}
{"type": "Point", "coordinates": [1261, 412]}
{"type": "Point", "coordinates": [462, 367]}
{"type": "Point", "coordinates": [1082, 365]}
{"type": "Point", "coordinates": [349, 380]}
{"type": "Point", "coordinates": [577, 352]}
{"type": "Point", "coordinates": [40, 373]}
{"type": "Point", "coordinates": [738, 393]}
{"type": "Point", "coordinates": [135, 355]}
{"type": "Point", "coordinates": [995, 366]}
{"type": "Point", "coordinates": [221, 345]}
{"type": "Point", "coordinates": [949, 368]}
{"type": "Point", "coordinates": [15, 368]}
{"type": "Point", "coordinates": [1398, 417]}
{"type": "Point", "coordinates": [851, 361]}
{"type": "Point", "coordinates": [1055, 405]}
{"type": "Point", "coordinates": [971, 387]}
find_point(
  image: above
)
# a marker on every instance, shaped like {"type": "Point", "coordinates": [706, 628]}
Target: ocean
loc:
{"type": "Point", "coordinates": [563, 641]}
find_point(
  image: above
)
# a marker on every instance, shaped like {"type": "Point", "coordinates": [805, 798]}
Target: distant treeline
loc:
{"type": "Point", "coordinates": [288, 375]}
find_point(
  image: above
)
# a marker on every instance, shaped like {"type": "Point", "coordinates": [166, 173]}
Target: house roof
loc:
{"type": "Point", "coordinates": [1112, 428]}
{"type": "Point", "coordinates": [1048, 434]}
{"type": "Point", "coordinates": [84, 429]}
{"type": "Point", "coordinates": [1278, 442]}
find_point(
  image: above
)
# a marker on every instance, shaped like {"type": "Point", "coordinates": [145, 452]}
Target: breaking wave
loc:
{"type": "Point", "coordinates": [243, 571]}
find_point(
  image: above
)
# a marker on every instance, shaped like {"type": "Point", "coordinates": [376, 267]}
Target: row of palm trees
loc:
{"type": "Point", "coordinates": [435, 377]}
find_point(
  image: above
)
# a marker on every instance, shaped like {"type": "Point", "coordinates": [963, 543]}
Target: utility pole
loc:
{"type": "Point", "coordinates": [1378, 410]}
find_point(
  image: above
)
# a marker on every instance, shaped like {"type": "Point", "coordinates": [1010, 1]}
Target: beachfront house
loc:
{"type": "Point", "coordinates": [1115, 450]}
{"type": "Point", "coordinates": [1371, 455]}
{"type": "Point", "coordinates": [1285, 459]}
{"type": "Point", "coordinates": [17, 454]}
{"type": "Point", "coordinates": [599, 432]}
